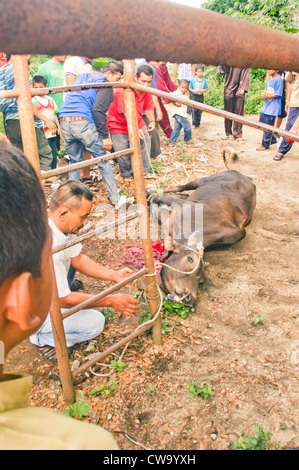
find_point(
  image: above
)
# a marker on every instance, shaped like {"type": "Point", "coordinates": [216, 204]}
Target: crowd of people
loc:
{"type": "Point", "coordinates": [91, 122]}
{"type": "Point", "coordinates": [99, 114]}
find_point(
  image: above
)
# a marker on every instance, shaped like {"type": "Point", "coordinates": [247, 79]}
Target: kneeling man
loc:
{"type": "Point", "coordinates": [68, 213]}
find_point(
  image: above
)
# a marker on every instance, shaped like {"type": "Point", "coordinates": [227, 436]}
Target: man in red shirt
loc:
{"type": "Point", "coordinates": [117, 123]}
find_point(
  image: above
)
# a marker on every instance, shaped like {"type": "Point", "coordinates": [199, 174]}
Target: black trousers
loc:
{"type": "Point", "coordinates": [234, 105]}
{"type": "Point", "coordinates": [196, 113]}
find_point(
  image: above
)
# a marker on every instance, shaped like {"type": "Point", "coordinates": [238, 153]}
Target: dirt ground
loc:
{"type": "Point", "coordinates": [242, 338]}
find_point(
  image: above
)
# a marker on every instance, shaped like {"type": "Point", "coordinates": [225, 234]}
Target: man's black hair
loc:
{"type": "Point", "coordinates": [146, 69]}
{"type": "Point", "coordinates": [70, 194]}
{"type": "Point", "coordinates": [39, 79]}
{"type": "Point", "coordinates": [23, 215]}
{"type": "Point", "coordinates": [113, 66]}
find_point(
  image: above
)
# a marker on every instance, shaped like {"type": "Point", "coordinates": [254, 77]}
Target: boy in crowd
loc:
{"type": "Point", "coordinates": [272, 106]}
{"type": "Point", "coordinates": [198, 86]}
{"type": "Point", "coordinates": [47, 106]}
{"type": "Point", "coordinates": [180, 115]}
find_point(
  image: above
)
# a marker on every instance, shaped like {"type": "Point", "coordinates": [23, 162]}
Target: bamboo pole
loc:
{"type": "Point", "coordinates": [21, 77]}
{"type": "Point", "coordinates": [133, 131]}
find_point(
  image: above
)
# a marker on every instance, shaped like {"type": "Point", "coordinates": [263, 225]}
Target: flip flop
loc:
{"type": "Point", "coordinates": [49, 352]}
{"type": "Point", "coordinates": [278, 157]}
{"type": "Point", "coordinates": [90, 182]}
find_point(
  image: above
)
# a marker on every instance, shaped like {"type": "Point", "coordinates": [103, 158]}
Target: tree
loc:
{"type": "Point", "coordinates": [278, 14]}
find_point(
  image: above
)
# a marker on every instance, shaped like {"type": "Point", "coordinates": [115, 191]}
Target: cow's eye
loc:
{"type": "Point", "coordinates": [190, 259]}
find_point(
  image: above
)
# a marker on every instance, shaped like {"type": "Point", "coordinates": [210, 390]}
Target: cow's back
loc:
{"type": "Point", "coordinates": [228, 201]}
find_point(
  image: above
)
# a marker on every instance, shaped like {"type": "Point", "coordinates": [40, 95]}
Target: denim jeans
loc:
{"type": "Point", "coordinates": [179, 123]}
{"type": "Point", "coordinates": [84, 135]}
{"type": "Point", "coordinates": [283, 147]}
{"type": "Point", "coordinates": [268, 138]}
{"type": "Point", "coordinates": [84, 325]}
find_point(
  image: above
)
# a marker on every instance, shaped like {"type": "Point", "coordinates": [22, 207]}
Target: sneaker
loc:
{"type": "Point", "coordinates": [76, 285]}
{"type": "Point", "coordinates": [121, 202]}
{"type": "Point", "coordinates": [149, 176]}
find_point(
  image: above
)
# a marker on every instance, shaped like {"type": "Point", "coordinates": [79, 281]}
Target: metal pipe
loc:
{"type": "Point", "coordinates": [126, 32]}
{"type": "Point", "coordinates": [84, 164]}
{"type": "Point", "coordinates": [113, 348]}
{"type": "Point", "coordinates": [219, 112]}
{"type": "Point", "coordinates": [97, 231]}
{"type": "Point", "coordinates": [133, 132]}
{"type": "Point", "coordinates": [104, 293]}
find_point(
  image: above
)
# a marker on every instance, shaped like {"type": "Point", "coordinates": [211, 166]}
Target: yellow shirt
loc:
{"type": "Point", "coordinates": [23, 427]}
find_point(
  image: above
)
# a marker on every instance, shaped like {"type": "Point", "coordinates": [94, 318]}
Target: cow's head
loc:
{"type": "Point", "coordinates": [183, 270]}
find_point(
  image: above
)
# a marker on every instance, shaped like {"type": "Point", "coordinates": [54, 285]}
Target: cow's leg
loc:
{"type": "Point", "coordinates": [170, 201]}
{"type": "Point", "coordinates": [185, 187]}
{"type": "Point", "coordinates": [223, 236]}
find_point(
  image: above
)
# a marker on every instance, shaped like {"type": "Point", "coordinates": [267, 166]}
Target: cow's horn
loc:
{"type": "Point", "coordinates": [168, 244]}
{"type": "Point", "coordinates": [194, 243]}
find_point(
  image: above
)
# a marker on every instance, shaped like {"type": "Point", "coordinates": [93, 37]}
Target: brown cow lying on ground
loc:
{"type": "Point", "coordinates": [214, 214]}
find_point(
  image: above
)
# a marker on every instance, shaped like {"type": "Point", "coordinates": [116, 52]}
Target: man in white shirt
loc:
{"type": "Point", "coordinates": [68, 213]}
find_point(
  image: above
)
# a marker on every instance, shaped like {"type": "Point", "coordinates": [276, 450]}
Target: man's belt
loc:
{"type": "Point", "coordinates": [72, 118]}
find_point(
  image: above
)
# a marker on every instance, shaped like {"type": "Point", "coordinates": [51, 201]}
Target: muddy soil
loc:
{"type": "Point", "coordinates": [242, 338]}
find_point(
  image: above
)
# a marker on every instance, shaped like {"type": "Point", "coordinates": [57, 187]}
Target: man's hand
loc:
{"type": "Point", "coordinates": [52, 126]}
{"type": "Point", "coordinates": [4, 138]}
{"type": "Point", "coordinates": [107, 143]}
{"type": "Point", "coordinates": [141, 135]}
{"type": "Point", "coordinates": [125, 303]}
{"type": "Point", "coordinates": [122, 274]}
{"type": "Point", "coordinates": [151, 126]}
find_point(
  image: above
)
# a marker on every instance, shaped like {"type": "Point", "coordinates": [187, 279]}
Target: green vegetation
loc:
{"type": "Point", "coordinates": [261, 442]}
{"type": "Point", "coordinates": [106, 389]}
{"type": "Point", "coordinates": [79, 408]}
{"type": "Point", "coordinates": [277, 14]}
{"type": "Point", "coordinates": [204, 391]}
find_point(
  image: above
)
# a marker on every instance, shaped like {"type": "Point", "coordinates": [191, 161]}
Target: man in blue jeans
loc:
{"type": "Point", "coordinates": [80, 129]}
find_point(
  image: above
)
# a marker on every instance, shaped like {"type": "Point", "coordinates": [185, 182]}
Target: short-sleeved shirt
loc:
{"type": "Point", "coordinates": [76, 65]}
{"type": "Point", "coordinates": [294, 78]}
{"type": "Point", "coordinates": [272, 107]}
{"type": "Point", "coordinates": [48, 107]}
{"type": "Point", "coordinates": [179, 110]}
{"type": "Point", "coordinates": [185, 71]}
{"type": "Point", "coordinates": [54, 74]}
{"type": "Point", "coordinates": [198, 85]}
{"type": "Point", "coordinates": [80, 102]}
{"type": "Point", "coordinates": [9, 106]}
{"type": "Point", "coordinates": [116, 121]}
{"type": "Point", "coordinates": [62, 259]}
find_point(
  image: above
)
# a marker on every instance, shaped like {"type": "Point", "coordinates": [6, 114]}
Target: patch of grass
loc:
{"type": "Point", "coordinates": [261, 442]}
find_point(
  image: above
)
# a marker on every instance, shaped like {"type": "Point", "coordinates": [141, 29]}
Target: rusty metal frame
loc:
{"type": "Point", "coordinates": [24, 94]}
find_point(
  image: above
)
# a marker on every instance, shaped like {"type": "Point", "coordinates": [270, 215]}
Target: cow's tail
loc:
{"type": "Point", "coordinates": [232, 153]}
